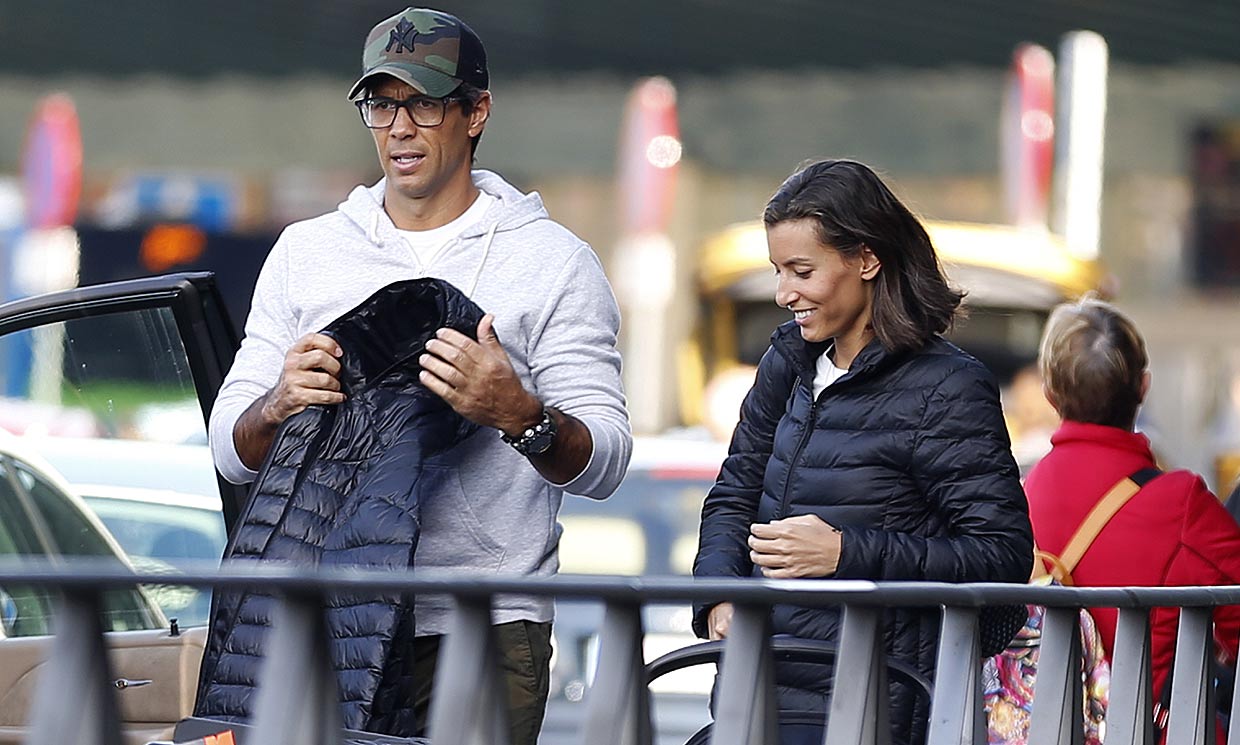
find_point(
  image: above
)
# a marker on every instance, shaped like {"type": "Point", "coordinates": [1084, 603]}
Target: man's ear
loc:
{"type": "Point", "coordinates": [481, 112]}
{"type": "Point", "coordinates": [870, 265]}
{"type": "Point", "coordinates": [1145, 385]}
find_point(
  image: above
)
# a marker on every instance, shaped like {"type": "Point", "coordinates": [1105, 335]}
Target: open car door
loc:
{"type": "Point", "coordinates": [105, 391]}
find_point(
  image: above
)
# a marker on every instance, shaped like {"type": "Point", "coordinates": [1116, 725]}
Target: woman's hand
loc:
{"type": "Point", "coordinates": [802, 546]}
{"type": "Point", "coordinates": [719, 621]}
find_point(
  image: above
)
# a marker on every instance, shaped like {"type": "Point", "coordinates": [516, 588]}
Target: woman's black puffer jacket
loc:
{"type": "Point", "coordinates": [341, 487]}
{"type": "Point", "coordinates": [907, 454]}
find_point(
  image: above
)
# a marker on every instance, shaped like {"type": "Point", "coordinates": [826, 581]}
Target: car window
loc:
{"type": "Point", "coordinates": [24, 611]}
{"type": "Point", "coordinates": [18, 534]}
{"type": "Point", "coordinates": [8, 546]}
{"type": "Point", "coordinates": [68, 527]}
{"type": "Point", "coordinates": [109, 402]}
{"type": "Point", "coordinates": [172, 533]}
{"type": "Point", "coordinates": [64, 531]}
{"type": "Point", "coordinates": [118, 375]}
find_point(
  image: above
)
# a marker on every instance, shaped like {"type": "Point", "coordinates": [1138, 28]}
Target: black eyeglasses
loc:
{"type": "Point", "coordinates": [380, 111]}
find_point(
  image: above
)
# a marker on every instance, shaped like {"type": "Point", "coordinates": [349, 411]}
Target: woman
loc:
{"type": "Point", "coordinates": [868, 447]}
{"type": "Point", "coordinates": [1094, 372]}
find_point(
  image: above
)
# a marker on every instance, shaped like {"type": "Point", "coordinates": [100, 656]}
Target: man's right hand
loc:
{"type": "Point", "coordinates": [311, 375]}
{"type": "Point", "coordinates": [719, 621]}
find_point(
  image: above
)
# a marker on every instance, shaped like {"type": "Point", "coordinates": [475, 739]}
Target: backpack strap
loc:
{"type": "Point", "coordinates": [1126, 488]}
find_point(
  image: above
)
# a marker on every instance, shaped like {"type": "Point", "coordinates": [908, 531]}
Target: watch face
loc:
{"type": "Point", "coordinates": [541, 443]}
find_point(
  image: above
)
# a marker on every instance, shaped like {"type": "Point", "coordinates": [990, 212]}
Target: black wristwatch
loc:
{"type": "Point", "coordinates": [536, 439]}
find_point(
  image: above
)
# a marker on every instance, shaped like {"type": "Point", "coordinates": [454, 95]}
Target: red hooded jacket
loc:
{"type": "Point", "coordinates": [1172, 532]}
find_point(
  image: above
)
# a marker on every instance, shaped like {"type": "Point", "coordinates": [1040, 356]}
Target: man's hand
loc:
{"type": "Point", "coordinates": [477, 380]}
{"type": "Point", "coordinates": [311, 375]}
{"type": "Point", "coordinates": [802, 546]}
{"type": "Point", "coordinates": [719, 621]}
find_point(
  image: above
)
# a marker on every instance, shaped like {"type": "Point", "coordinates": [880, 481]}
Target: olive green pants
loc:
{"type": "Point", "coordinates": [525, 658]}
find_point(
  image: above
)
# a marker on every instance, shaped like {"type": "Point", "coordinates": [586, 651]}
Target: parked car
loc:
{"type": "Point", "coordinates": [159, 500]}
{"type": "Point", "coordinates": [109, 356]}
{"type": "Point", "coordinates": [648, 527]}
{"type": "Point", "coordinates": [42, 519]}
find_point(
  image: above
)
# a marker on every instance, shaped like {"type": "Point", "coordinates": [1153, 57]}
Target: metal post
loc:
{"type": "Point", "coordinates": [1059, 694]}
{"type": "Point", "coordinates": [956, 711]}
{"type": "Point", "coordinates": [1233, 729]}
{"type": "Point", "coordinates": [1081, 132]}
{"type": "Point", "coordinates": [618, 708]}
{"type": "Point", "coordinates": [470, 705]}
{"type": "Point", "coordinates": [746, 712]}
{"type": "Point", "coordinates": [75, 701]}
{"type": "Point", "coordinates": [1130, 714]}
{"type": "Point", "coordinates": [298, 700]}
{"type": "Point", "coordinates": [859, 694]}
{"type": "Point", "coordinates": [1192, 683]}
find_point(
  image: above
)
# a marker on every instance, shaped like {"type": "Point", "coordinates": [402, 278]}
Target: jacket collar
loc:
{"type": "Point", "coordinates": [1071, 432]}
{"type": "Point", "coordinates": [803, 355]}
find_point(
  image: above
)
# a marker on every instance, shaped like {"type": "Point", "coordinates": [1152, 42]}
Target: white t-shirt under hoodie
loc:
{"type": "Point", "coordinates": [426, 244]}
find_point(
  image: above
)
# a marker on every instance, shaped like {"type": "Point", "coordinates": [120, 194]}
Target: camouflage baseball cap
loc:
{"type": "Point", "coordinates": [432, 51]}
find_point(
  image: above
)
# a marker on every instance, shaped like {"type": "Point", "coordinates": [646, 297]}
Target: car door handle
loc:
{"type": "Point", "coordinates": [123, 683]}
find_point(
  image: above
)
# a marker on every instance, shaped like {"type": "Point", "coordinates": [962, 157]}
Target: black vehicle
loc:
{"type": "Point", "coordinates": [94, 363]}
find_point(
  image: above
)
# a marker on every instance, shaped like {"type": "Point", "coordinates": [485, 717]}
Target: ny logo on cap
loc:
{"type": "Point", "coordinates": [402, 37]}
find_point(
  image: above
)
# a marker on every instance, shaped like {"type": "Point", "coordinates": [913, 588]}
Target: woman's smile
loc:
{"type": "Point", "coordinates": [828, 292]}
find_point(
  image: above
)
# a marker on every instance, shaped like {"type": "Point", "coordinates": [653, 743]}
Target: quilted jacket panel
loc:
{"type": "Point", "coordinates": [340, 487]}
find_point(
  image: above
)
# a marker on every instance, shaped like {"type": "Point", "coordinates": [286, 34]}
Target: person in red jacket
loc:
{"type": "Point", "coordinates": [1173, 532]}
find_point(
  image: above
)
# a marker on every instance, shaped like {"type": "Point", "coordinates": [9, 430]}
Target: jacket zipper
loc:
{"type": "Point", "coordinates": [796, 455]}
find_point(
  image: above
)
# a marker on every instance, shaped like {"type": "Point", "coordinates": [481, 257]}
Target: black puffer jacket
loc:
{"type": "Point", "coordinates": [340, 487]}
{"type": "Point", "coordinates": [908, 455]}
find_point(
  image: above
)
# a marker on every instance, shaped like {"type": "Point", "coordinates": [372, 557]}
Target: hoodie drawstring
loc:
{"type": "Point", "coordinates": [374, 229]}
{"type": "Point", "coordinates": [486, 250]}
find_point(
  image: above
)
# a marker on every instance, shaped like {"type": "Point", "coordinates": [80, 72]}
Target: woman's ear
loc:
{"type": "Point", "coordinates": [1145, 385]}
{"type": "Point", "coordinates": [870, 264]}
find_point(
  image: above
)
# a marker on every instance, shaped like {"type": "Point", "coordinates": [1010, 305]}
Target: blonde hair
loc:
{"type": "Point", "coordinates": [1092, 361]}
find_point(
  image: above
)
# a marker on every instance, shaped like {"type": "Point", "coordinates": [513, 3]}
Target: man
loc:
{"type": "Point", "coordinates": [542, 380]}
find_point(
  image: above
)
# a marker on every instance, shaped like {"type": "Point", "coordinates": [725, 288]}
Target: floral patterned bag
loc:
{"type": "Point", "coordinates": [1008, 679]}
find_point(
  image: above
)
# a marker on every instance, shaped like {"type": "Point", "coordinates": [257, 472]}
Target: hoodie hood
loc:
{"type": "Point", "coordinates": [364, 207]}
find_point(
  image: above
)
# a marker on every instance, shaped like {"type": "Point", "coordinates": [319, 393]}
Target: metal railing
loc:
{"type": "Point", "coordinates": [468, 706]}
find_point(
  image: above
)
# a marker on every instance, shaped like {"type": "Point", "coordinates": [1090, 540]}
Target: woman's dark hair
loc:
{"type": "Point", "coordinates": [852, 209]}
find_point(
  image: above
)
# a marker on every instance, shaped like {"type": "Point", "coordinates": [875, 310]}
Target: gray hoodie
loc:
{"type": "Point", "coordinates": [556, 317]}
